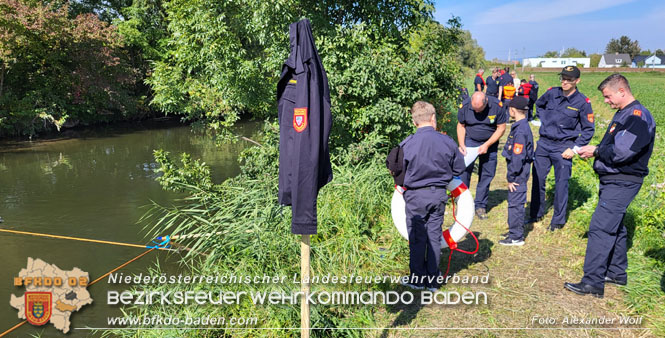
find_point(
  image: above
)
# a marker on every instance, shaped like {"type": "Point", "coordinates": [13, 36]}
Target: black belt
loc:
{"type": "Point", "coordinates": [431, 187]}
{"type": "Point", "coordinates": [621, 177]}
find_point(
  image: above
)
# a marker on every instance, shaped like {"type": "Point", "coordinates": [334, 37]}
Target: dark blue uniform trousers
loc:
{"type": "Point", "coordinates": [531, 103]}
{"type": "Point", "coordinates": [516, 202]}
{"type": "Point", "coordinates": [486, 171]}
{"type": "Point", "coordinates": [606, 248]}
{"type": "Point", "coordinates": [546, 157]}
{"type": "Point", "coordinates": [424, 216]}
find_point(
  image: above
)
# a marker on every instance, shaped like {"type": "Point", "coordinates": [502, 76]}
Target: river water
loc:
{"type": "Point", "coordinates": [95, 185]}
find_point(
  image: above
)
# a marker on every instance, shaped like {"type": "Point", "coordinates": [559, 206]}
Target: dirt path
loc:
{"type": "Point", "coordinates": [525, 283]}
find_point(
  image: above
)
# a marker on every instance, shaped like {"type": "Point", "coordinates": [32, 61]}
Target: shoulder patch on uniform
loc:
{"type": "Point", "coordinates": [500, 104]}
{"type": "Point", "coordinates": [614, 125]}
{"type": "Point", "coordinates": [588, 100]}
{"type": "Point", "coordinates": [517, 149]}
{"type": "Point", "coordinates": [590, 117]}
{"type": "Point", "coordinates": [461, 105]}
{"type": "Point", "coordinates": [637, 112]}
{"type": "Point", "coordinates": [299, 119]}
{"type": "Point", "coordinates": [550, 88]}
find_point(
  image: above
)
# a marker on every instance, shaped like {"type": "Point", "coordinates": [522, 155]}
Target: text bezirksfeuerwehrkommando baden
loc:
{"type": "Point", "coordinates": [221, 297]}
{"type": "Point", "coordinates": [226, 297]}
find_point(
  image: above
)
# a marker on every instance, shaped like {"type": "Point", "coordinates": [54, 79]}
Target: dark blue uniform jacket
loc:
{"type": "Point", "coordinates": [505, 80]}
{"type": "Point", "coordinates": [518, 152]}
{"type": "Point", "coordinates": [626, 147]}
{"type": "Point", "coordinates": [304, 127]}
{"type": "Point", "coordinates": [567, 120]}
{"type": "Point", "coordinates": [533, 94]}
{"type": "Point", "coordinates": [480, 126]}
{"type": "Point", "coordinates": [431, 159]}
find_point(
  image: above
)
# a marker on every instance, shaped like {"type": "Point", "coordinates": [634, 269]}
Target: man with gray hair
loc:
{"type": "Point", "coordinates": [622, 162]}
{"type": "Point", "coordinates": [431, 159]}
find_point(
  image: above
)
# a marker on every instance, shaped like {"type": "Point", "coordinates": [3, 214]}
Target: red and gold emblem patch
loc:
{"type": "Point", "coordinates": [37, 307]}
{"type": "Point", "coordinates": [612, 128]}
{"type": "Point", "coordinates": [637, 112]}
{"type": "Point", "coordinates": [518, 148]}
{"type": "Point", "coordinates": [299, 119]}
{"type": "Point", "coordinates": [590, 117]}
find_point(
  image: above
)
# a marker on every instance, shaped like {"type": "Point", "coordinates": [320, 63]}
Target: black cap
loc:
{"type": "Point", "coordinates": [519, 102]}
{"type": "Point", "coordinates": [571, 71]}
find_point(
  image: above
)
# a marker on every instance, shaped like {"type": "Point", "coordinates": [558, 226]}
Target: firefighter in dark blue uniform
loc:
{"type": "Point", "coordinates": [518, 152]}
{"type": "Point", "coordinates": [622, 159]}
{"type": "Point", "coordinates": [567, 125]}
{"type": "Point", "coordinates": [492, 83]}
{"type": "Point", "coordinates": [481, 123]}
{"type": "Point", "coordinates": [304, 128]}
{"type": "Point", "coordinates": [431, 159]}
{"type": "Point", "coordinates": [479, 82]}
{"type": "Point", "coordinates": [533, 96]}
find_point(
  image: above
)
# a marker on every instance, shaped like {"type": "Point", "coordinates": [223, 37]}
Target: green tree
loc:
{"type": "Point", "coordinates": [551, 54]}
{"type": "Point", "coordinates": [573, 53]}
{"type": "Point", "coordinates": [57, 70]}
{"type": "Point", "coordinates": [623, 45]}
{"type": "Point", "coordinates": [223, 59]}
{"type": "Point", "coordinates": [659, 52]}
{"type": "Point", "coordinates": [595, 59]}
{"type": "Point", "coordinates": [470, 54]}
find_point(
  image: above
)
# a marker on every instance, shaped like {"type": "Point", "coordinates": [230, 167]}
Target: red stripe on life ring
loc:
{"type": "Point", "coordinates": [451, 242]}
{"type": "Point", "coordinates": [459, 190]}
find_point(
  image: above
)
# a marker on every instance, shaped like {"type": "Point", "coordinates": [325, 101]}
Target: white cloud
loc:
{"type": "Point", "coordinates": [539, 11]}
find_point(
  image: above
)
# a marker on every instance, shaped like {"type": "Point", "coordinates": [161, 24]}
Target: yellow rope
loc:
{"type": "Point", "coordinates": [72, 238]}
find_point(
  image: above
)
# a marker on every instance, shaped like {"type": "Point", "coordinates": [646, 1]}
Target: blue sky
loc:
{"type": "Point", "coordinates": [537, 26]}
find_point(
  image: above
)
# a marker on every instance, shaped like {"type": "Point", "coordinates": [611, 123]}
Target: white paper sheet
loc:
{"type": "Point", "coordinates": [471, 154]}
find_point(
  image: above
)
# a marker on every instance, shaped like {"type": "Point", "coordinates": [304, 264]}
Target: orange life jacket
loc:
{"type": "Point", "coordinates": [508, 92]}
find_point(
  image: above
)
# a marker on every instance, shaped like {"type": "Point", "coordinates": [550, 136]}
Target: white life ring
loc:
{"type": "Point", "coordinates": [464, 215]}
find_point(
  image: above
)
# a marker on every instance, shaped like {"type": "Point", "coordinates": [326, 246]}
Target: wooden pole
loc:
{"type": "Point", "coordinates": [304, 286]}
